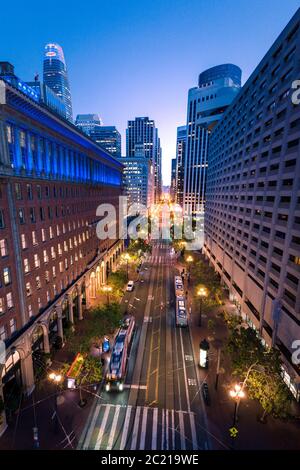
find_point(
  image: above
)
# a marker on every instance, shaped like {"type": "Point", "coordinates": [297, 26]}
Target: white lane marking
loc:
{"type": "Point", "coordinates": [135, 428]}
{"type": "Point", "coordinates": [113, 428]}
{"type": "Point", "coordinates": [193, 429]}
{"type": "Point", "coordinates": [167, 429]}
{"type": "Point", "coordinates": [143, 430]}
{"type": "Point", "coordinates": [125, 429]}
{"type": "Point", "coordinates": [135, 386]}
{"type": "Point", "coordinates": [102, 427]}
{"type": "Point", "coordinates": [92, 427]}
{"type": "Point", "coordinates": [154, 429]}
{"type": "Point", "coordinates": [181, 430]}
{"type": "Point", "coordinates": [173, 430]}
{"type": "Point", "coordinates": [185, 376]}
{"type": "Point", "coordinates": [162, 430]}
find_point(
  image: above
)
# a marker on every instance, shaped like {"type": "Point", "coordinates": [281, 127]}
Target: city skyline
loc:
{"type": "Point", "coordinates": [112, 39]}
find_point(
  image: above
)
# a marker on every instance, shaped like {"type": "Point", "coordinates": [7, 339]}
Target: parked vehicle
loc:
{"type": "Point", "coordinates": [130, 286]}
{"type": "Point", "coordinates": [205, 393]}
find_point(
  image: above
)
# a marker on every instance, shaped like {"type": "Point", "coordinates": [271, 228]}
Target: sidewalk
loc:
{"type": "Point", "coordinates": [275, 434]}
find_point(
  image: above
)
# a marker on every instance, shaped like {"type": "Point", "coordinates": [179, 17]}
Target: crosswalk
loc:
{"type": "Point", "coordinates": [141, 428]}
{"type": "Point", "coordinates": [162, 259]}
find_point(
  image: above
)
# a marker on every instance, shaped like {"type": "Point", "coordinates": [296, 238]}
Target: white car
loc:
{"type": "Point", "coordinates": [130, 286]}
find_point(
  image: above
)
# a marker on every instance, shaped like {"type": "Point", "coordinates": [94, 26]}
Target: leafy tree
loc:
{"type": "Point", "coordinates": [103, 320]}
{"type": "Point", "coordinates": [260, 368]}
{"type": "Point", "coordinates": [117, 281]}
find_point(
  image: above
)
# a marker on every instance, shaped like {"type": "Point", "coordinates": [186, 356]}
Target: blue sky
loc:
{"type": "Point", "coordinates": [135, 57]}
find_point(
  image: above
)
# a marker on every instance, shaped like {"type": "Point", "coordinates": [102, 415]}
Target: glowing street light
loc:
{"type": "Point", "coordinates": [127, 258]}
{"type": "Point", "coordinates": [55, 379]}
{"type": "Point", "coordinates": [202, 294]}
{"type": "Point", "coordinates": [237, 393]}
{"type": "Point", "coordinates": [107, 289]}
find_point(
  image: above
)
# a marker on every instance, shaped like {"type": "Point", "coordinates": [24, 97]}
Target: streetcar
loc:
{"type": "Point", "coordinates": [181, 311]}
{"type": "Point", "coordinates": [116, 373]}
{"type": "Point", "coordinates": [178, 286]}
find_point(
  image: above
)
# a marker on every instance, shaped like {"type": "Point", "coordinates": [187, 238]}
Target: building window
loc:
{"type": "Point", "coordinates": [2, 225]}
{"type": "Point", "coordinates": [32, 215]}
{"type": "Point", "coordinates": [29, 191]}
{"type": "Point", "coordinates": [9, 300]}
{"type": "Point", "coordinates": [30, 311]}
{"type": "Point", "coordinates": [6, 276]}
{"type": "Point", "coordinates": [34, 239]}
{"type": "Point", "coordinates": [43, 235]}
{"type": "Point", "coordinates": [18, 191]}
{"type": "Point", "coordinates": [2, 333]}
{"type": "Point", "coordinates": [36, 260]}
{"type": "Point", "coordinates": [47, 276]}
{"type": "Point", "coordinates": [23, 241]}
{"type": "Point", "coordinates": [21, 216]}
{"type": "Point", "coordinates": [1, 305]}
{"type": "Point", "coordinates": [39, 191]}
{"type": "Point", "coordinates": [26, 265]}
{"type": "Point", "coordinates": [12, 325]}
{"type": "Point", "coordinates": [38, 282]}
{"type": "Point", "coordinates": [28, 289]}
{"type": "Point", "coordinates": [3, 247]}
{"type": "Point", "coordinates": [45, 254]}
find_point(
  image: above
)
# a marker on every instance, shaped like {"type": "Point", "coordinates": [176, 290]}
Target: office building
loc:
{"type": "Point", "coordinates": [138, 179]}
{"type": "Point", "coordinates": [142, 131]}
{"type": "Point", "coordinates": [180, 155]}
{"type": "Point", "coordinates": [252, 215]}
{"type": "Point", "coordinates": [173, 179]}
{"type": "Point", "coordinates": [108, 138]}
{"type": "Point", "coordinates": [55, 75]}
{"type": "Point", "coordinates": [88, 122]}
{"type": "Point", "coordinates": [52, 179]}
{"type": "Point", "coordinates": [217, 87]}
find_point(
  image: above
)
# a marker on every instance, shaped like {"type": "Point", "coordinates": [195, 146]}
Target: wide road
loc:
{"type": "Point", "coordinates": [161, 406]}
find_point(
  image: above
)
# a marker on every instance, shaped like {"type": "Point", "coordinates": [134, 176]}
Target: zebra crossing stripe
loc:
{"type": "Point", "coordinates": [173, 429]}
{"type": "Point", "coordinates": [125, 428]}
{"type": "Point", "coordinates": [181, 430]}
{"type": "Point", "coordinates": [102, 428]}
{"type": "Point", "coordinates": [113, 428]}
{"type": "Point", "coordinates": [135, 428]}
{"type": "Point", "coordinates": [154, 429]}
{"type": "Point", "coordinates": [162, 430]}
{"type": "Point", "coordinates": [193, 429]}
{"type": "Point", "coordinates": [167, 430]}
{"type": "Point", "coordinates": [143, 430]}
{"type": "Point", "coordinates": [92, 427]}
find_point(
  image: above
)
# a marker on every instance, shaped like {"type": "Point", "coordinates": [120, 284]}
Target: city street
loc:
{"type": "Point", "coordinates": [161, 407]}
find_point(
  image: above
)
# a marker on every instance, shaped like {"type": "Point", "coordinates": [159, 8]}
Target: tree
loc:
{"type": "Point", "coordinates": [103, 320]}
{"type": "Point", "coordinates": [260, 368]}
{"type": "Point", "coordinates": [117, 281]}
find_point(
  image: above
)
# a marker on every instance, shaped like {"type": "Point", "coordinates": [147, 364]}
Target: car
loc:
{"type": "Point", "coordinates": [205, 393]}
{"type": "Point", "coordinates": [130, 286]}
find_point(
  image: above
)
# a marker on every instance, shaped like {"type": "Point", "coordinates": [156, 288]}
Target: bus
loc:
{"type": "Point", "coordinates": [178, 285]}
{"type": "Point", "coordinates": [181, 311]}
{"type": "Point", "coordinates": [116, 373]}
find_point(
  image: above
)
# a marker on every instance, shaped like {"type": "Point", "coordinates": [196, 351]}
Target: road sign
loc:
{"type": "Point", "coordinates": [233, 432]}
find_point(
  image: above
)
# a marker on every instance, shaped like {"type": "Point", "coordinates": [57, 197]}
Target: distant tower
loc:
{"type": "Point", "coordinates": [56, 76]}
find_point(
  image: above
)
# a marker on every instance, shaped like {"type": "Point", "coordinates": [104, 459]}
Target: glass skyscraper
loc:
{"type": "Point", "coordinates": [56, 76]}
{"type": "Point", "coordinates": [88, 122]}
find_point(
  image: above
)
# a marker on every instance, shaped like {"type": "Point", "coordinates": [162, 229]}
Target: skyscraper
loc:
{"type": "Point", "coordinates": [180, 154]}
{"type": "Point", "coordinates": [217, 87]}
{"type": "Point", "coordinates": [252, 214]}
{"type": "Point", "coordinates": [142, 130]}
{"type": "Point", "coordinates": [56, 76]}
{"type": "Point", "coordinates": [109, 138]}
{"type": "Point", "coordinates": [173, 179]}
{"type": "Point", "coordinates": [88, 122]}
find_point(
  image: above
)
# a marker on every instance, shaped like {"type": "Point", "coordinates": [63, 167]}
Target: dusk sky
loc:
{"type": "Point", "coordinates": [139, 58]}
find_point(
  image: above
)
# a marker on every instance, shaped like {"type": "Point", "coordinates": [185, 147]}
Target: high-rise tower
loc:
{"type": "Point", "coordinates": [56, 76]}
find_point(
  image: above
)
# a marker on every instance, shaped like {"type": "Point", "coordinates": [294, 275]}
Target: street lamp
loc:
{"type": "Point", "coordinates": [189, 259]}
{"type": "Point", "coordinates": [202, 293]}
{"type": "Point", "coordinates": [127, 258]}
{"type": "Point", "coordinates": [107, 289]}
{"type": "Point", "coordinates": [236, 393]}
{"type": "Point", "coordinates": [55, 379]}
